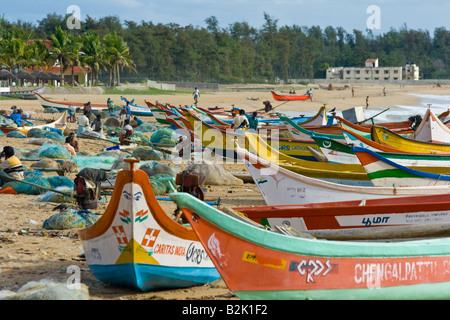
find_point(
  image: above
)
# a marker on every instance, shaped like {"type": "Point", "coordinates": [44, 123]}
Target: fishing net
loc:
{"type": "Point", "coordinates": [146, 127]}
{"type": "Point", "coordinates": [95, 162]}
{"type": "Point", "coordinates": [56, 197]}
{"type": "Point", "coordinates": [70, 219]}
{"type": "Point", "coordinates": [37, 179]}
{"type": "Point", "coordinates": [46, 290]}
{"type": "Point", "coordinates": [55, 135]}
{"type": "Point", "coordinates": [49, 150]}
{"type": "Point", "coordinates": [153, 168]}
{"type": "Point", "coordinates": [145, 153]}
{"type": "Point", "coordinates": [15, 134]}
{"type": "Point", "coordinates": [159, 185]}
{"type": "Point", "coordinates": [162, 133]}
{"type": "Point", "coordinates": [213, 174]}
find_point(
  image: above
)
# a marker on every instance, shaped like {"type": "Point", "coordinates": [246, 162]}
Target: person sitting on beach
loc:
{"type": "Point", "coordinates": [87, 108]}
{"type": "Point", "coordinates": [73, 142]}
{"type": "Point", "coordinates": [16, 117]}
{"type": "Point", "coordinates": [138, 121]}
{"type": "Point", "coordinates": [127, 133]}
{"type": "Point", "coordinates": [267, 106]}
{"type": "Point", "coordinates": [83, 123]}
{"type": "Point", "coordinates": [98, 124]}
{"type": "Point", "coordinates": [69, 147]}
{"type": "Point", "coordinates": [240, 121]}
{"type": "Point", "coordinates": [253, 121]}
{"type": "Point", "coordinates": [12, 167]}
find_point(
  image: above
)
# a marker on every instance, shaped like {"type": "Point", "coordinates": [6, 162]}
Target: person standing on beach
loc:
{"type": "Point", "coordinates": [110, 104]}
{"type": "Point", "coordinates": [196, 95]}
{"type": "Point", "coordinates": [367, 102]}
{"type": "Point", "coordinates": [353, 92]}
{"type": "Point", "coordinates": [384, 91]}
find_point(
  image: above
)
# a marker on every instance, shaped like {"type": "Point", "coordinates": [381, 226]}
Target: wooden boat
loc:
{"type": "Point", "coordinates": [136, 244]}
{"type": "Point", "coordinates": [279, 97]}
{"type": "Point", "coordinates": [139, 111]}
{"type": "Point", "coordinates": [64, 106]}
{"type": "Point", "coordinates": [352, 214]}
{"type": "Point", "coordinates": [351, 174]}
{"type": "Point", "coordinates": [221, 142]}
{"type": "Point", "coordinates": [298, 132]}
{"type": "Point", "coordinates": [384, 172]}
{"type": "Point", "coordinates": [60, 124]}
{"type": "Point", "coordinates": [157, 112]}
{"type": "Point", "coordinates": [281, 186]}
{"type": "Point", "coordinates": [23, 92]}
{"type": "Point", "coordinates": [257, 263]}
{"type": "Point", "coordinates": [337, 152]}
{"type": "Point", "coordinates": [431, 129]}
{"type": "Point", "coordinates": [386, 137]}
{"type": "Point", "coordinates": [403, 127]}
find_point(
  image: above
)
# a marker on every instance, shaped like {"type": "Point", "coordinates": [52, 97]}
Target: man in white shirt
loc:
{"type": "Point", "coordinates": [196, 94]}
{"type": "Point", "coordinates": [83, 123]}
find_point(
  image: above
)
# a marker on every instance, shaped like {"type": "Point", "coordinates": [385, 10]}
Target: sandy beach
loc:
{"type": "Point", "coordinates": [30, 253]}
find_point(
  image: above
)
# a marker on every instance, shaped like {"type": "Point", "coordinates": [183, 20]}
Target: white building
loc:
{"type": "Point", "coordinates": [372, 72]}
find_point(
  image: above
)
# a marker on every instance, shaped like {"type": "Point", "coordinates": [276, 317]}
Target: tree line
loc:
{"type": "Point", "coordinates": [234, 54]}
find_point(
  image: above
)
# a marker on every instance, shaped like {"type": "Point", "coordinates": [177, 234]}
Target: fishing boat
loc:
{"type": "Point", "coordinates": [59, 124]}
{"type": "Point", "coordinates": [384, 172]}
{"type": "Point", "coordinates": [281, 186]}
{"type": "Point", "coordinates": [431, 129]}
{"type": "Point", "coordinates": [279, 97]}
{"type": "Point", "coordinates": [136, 244]}
{"type": "Point", "coordinates": [403, 127]}
{"type": "Point", "coordinates": [221, 142]}
{"type": "Point", "coordinates": [352, 214]}
{"type": "Point", "coordinates": [256, 263]}
{"type": "Point", "coordinates": [298, 132]}
{"type": "Point", "coordinates": [139, 111]}
{"type": "Point", "coordinates": [337, 152]}
{"type": "Point", "coordinates": [23, 92]}
{"type": "Point", "coordinates": [387, 137]}
{"type": "Point", "coordinates": [62, 106]}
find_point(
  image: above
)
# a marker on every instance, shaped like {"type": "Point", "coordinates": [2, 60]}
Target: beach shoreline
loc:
{"type": "Point", "coordinates": [30, 253]}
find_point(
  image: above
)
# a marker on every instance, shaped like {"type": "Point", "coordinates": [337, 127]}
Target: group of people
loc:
{"type": "Point", "coordinates": [243, 121]}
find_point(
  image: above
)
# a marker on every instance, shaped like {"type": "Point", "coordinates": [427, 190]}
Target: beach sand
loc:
{"type": "Point", "coordinates": [29, 253]}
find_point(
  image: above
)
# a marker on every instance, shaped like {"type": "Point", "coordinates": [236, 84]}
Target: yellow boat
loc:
{"type": "Point", "coordinates": [386, 137]}
{"type": "Point", "coordinates": [337, 172]}
{"type": "Point", "coordinates": [221, 141]}
{"type": "Point", "coordinates": [353, 174]}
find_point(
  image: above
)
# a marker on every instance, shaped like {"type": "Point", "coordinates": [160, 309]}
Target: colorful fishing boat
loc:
{"type": "Point", "coordinates": [337, 152]}
{"type": "Point", "coordinates": [59, 124]}
{"type": "Point", "coordinates": [279, 97]}
{"type": "Point", "coordinates": [352, 214]}
{"type": "Point", "coordinates": [136, 244]}
{"type": "Point", "coordinates": [281, 186]}
{"type": "Point", "coordinates": [383, 172]}
{"type": "Point", "coordinates": [298, 132]}
{"type": "Point", "coordinates": [138, 111]}
{"type": "Point", "coordinates": [257, 263]}
{"type": "Point", "coordinates": [221, 142]}
{"type": "Point", "coordinates": [431, 129]}
{"type": "Point", "coordinates": [386, 137]}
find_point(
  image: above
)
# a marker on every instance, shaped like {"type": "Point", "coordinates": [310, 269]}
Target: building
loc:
{"type": "Point", "coordinates": [372, 72]}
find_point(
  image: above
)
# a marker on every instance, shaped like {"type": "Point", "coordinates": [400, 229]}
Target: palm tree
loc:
{"type": "Point", "coordinates": [118, 57]}
{"type": "Point", "coordinates": [61, 49]}
{"type": "Point", "coordinates": [74, 58]}
{"type": "Point", "coordinates": [94, 54]}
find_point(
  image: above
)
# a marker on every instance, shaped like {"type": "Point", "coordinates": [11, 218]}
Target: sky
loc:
{"type": "Point", "coordinates": [379, 16]}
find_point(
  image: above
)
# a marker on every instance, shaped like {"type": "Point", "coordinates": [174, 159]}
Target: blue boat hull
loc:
{"type": "Point", "coordinates": [148, 277]}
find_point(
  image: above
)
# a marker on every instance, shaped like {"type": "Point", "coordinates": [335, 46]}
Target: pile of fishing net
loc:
{"type": "Point", "coordinates": [36, 179]}
{"type": "Point", "coordinates": [47, 289]}
{"type": "Point", "coordinates": [164, 137]}
{"type": "Point", "coordinates": [146, 127]}
{"type": "Point", "coordinates": [145, 153]}
{"type": "Point", "coordinates": [70, 219]}
{"type": "Point", "coordinates": [48, 150]}
{"type": "Point", "coordinates": [48, 133]}
{"type": "Point", "coordinates": [95, 162]}
{"type": "Point", "coordinates": [16, 134]}
{"type": "Point", "coordinates": [213, 174]}
{"type": "Point", "coordinates": [56, 197]}
{"type": "Point", "coordinates": [160, 176]}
